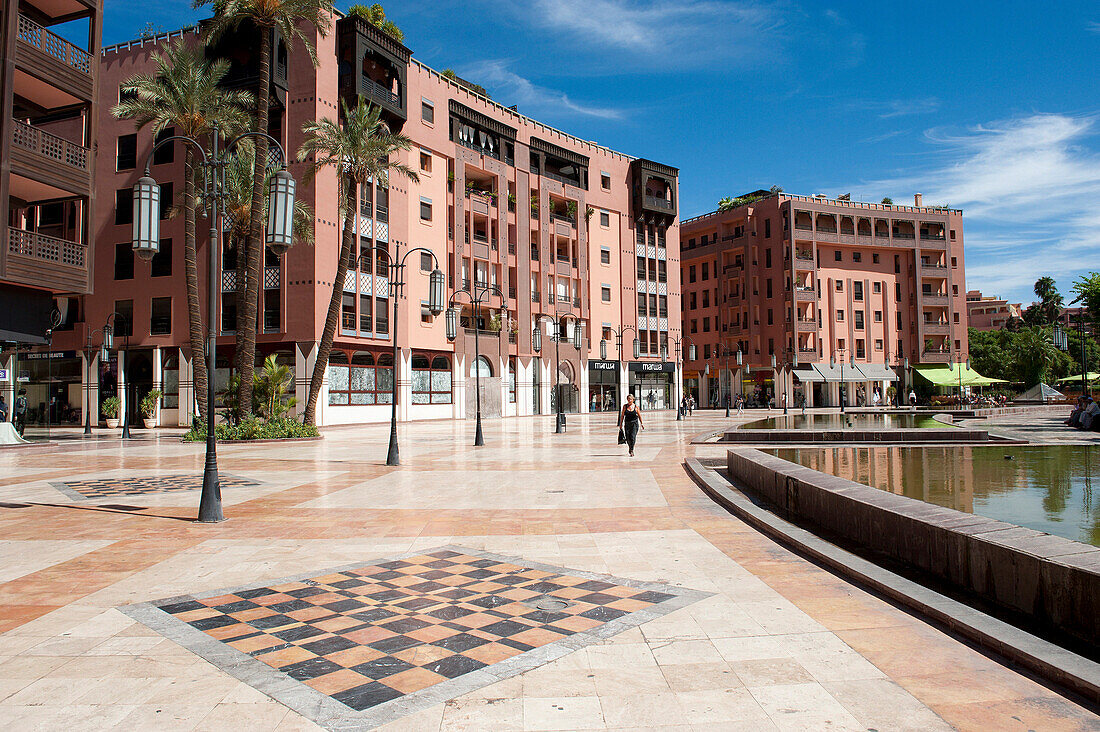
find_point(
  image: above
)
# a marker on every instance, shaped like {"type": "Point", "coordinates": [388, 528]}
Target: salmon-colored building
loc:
{"type": "Point", "coordinates": [818, 293]}
{"type": "Point", "coordinates": [989, 312]}
{"type": "Point", "coordinates": [558, 224]}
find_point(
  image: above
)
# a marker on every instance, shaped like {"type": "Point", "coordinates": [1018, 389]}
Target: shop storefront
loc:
{"type": "Point", "coordinates": [53, 383]}
{"type": "Point", "coordinates": [691, 386]}
{"type": "Point", "coordinates": [758, 387]}
{"type": "Point", "coordinates": [603, 385]}
{"type": "Point", "coordinates": [652, 384]}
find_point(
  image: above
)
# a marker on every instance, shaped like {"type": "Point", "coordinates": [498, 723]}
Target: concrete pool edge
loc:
{"type": "Point", "coordinates": [1076, 673]}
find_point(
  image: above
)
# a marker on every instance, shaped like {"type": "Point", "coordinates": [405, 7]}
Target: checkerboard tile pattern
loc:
{"type": "Point", "coordinates": [115, 487]}
{"type": "Point", "coordinates": [371, 634]}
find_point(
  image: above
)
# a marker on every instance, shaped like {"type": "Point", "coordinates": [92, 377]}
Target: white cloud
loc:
{"type": "Point", "coordinates": [905, 107]}
{"type": "Point", "coordinates": [1093, 26]}
{"type": "Point", "coordinates": [1028, 187]}
{"type": "Point", "coordinates": [509, 87]}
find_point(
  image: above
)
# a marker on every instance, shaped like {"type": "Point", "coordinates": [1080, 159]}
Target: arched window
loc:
{"type": "Point", "coordinates": [170, 380]}
{"type": "Point", "coordinates": [481, 367]}
{"type": "Point", "coordinates": [338, 377]}
{"type": "Point", "coordinates": [512, 380]}
{"type": "Point", "coordinates": [431, 380]}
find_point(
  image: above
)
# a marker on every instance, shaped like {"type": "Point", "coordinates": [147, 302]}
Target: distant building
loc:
{"type": "Point", "coordinates": [817, 294]}
{"type": "Point", "coordinates": [985, 312]}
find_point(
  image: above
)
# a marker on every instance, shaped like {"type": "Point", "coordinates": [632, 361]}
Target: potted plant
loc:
{"type": "Point", "coordinates": [148, 407]}
{"type": "Point", "coordinates": [109, 407]}
{"type": "Point", "coordinates": [535, 205]}
{"type": "Point", "coordinates": [571, 210]}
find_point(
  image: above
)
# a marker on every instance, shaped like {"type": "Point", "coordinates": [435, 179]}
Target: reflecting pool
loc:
{"type": "Point", "coordinates": [844, 421]}
{"type": "Point", "coordinates": [1043, 487]}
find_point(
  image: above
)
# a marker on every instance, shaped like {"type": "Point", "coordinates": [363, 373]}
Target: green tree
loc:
{"type": "Point", "coordinates": [887, 201]}
{"type": "Point", "coordinates": [725, 204]}
{"type": "Point", "coordinates": [272, 384]}
{"type": "Point", "coordinates": [1034, 354]}
{"type": "Point", "coordinates": [184, 93]}
{"type": "Point", "coordinates": [376, 16]}
{"type": "Point", "coordinates": [1087, 291]}
{"type": "Point", "coordinates": [362, 148]}
{"type": "Point", "coordinates": [291, 18]}
{"type": "Point", "coordinates": [1050, 300]}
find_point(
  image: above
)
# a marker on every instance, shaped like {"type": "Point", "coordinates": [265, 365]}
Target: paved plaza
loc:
{"type": "Point", "coordinates": [542, 582]}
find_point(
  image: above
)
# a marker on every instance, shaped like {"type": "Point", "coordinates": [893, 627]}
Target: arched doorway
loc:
{"type": "Point", "coordinates": [139, 382]}
{"type": "Point", "coordinates": [481, 369]}
{"type": "Point", "coordinates": [567, 391]}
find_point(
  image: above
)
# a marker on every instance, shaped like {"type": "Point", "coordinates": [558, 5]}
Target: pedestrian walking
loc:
{"type": "Point", "coordinates": [630, 421]}
{"type": "Point", "coordinates": [3, 409]}
{"type": "Point", "coordinates": [19, 418]}
{"type": "Point", "coordinates": [912, 398]}
{"type": "Point", "coordinates": [691, 404]}
{"type": "Point", "coordinates": [740, 405]}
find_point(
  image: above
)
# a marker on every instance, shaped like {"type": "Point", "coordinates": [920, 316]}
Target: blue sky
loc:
{"type": "Point", "coordinates": [993, 107]}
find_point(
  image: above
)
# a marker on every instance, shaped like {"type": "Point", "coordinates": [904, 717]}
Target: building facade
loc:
{"type": "Point", "coordinates": [556, 224]}
{"type": "Point", "coordinates": [822, 298]}
{"type": "Point", "coordinates": [48, 90]}
{"type": "Point", "coordinates": [984, 312]}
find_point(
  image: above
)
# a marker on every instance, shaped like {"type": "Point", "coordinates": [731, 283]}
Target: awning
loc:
{"type": "Point", "coordinates": [877, 372]}
{"type": "Point", "coordinates": [836, 374]}
{"type": "Point", "coordinates": [954, 374]}
{"type": "Point", "coordinates": [1091, 376]}
{"type": "Point", "coordinates": [806, 375]}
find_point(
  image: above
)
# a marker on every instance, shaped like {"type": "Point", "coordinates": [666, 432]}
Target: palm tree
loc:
{"type": "Point", "coordinates": [236, 210]}
{"type": "Point", "coordinates": [376, 16]}
{"type": "Point", "coordinates": [1050, 300]}
{"type": "Point", "coordinates": [359, 150]}
{"type": "Point", "coordinates": [289, 17]}
{"type": "Point", "coordinates": [725, 204]}
{"type": "Point", "coordinates": [184, 93]}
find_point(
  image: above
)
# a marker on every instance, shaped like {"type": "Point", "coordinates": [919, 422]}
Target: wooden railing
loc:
{"type": "Point", "coordinates": [655, 202]}
{"type": "Point", "coordinates": [46, 248]}
{"type": "Point", "coordinates": [54, 45]}
{"type": "Point", "coordinates": [48, 145]}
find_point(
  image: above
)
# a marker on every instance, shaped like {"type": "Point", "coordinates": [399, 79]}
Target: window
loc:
{"type": "Point", "coordinates": [706, 298]}
{"type": "Point", "coordinates": [126, 157]}
{"type": "Point", "coordinates": [170, 380]}
{"type": "Point", "coordinates": [425, 162]}
{"type": "Point", "coordinates": [694, 327]}
{"type": "Point", "coordinates": [878, 316]}
{"type": "Point", "coordinates": [366, 313]}
{"type": "Point", "coordinates": [272, 311]}
{"type": "Point", "coordinates": [897, 264]}
{"type": "Point", "coordinates": [427, 112]}
{"type": "Point", "coordinates": [898, 319]}
{"type": "Point", "coordinates": [706, 325]}
{"type": "Point", "coordinates": [160, 316]}
{"type": "Point", "coordinates": [956, 315]}
{"type": "Point", "coordinates": [837, 256]}
{"type": "Point", "coordinates": [768, 287]}
{"type": "Point", "coordinates": [364, 380]}
{"type": "Point", "coordinates": [840, 285]}
{"type": "Point", "coordinates": [954, 260]}
{"type": "Point", "coordinates": [641, 304]}
{"type": "Point", "coordinates": [706, 271]}
{"type": "Point", "coordinates": [124, 205]}
{"type": "Point", "coordinates": [431, 380]}
{"type": "Point", "coordinates": [605, 183]}
{"type": "Point", "coordinates": [425, 262]}
{"type": "Point", "coordinates": [874, 258]}
{"type": "Point", "coordinates": [691, 273]}
{"type": "Point", "coordinates": [876, 288]}
{"type": "Point", "coordinates": [229, 312]}
{"type": "Point", "coordinates": [124, 261]}
{"type": "Point", "coordinates": [691, 297]}
{"type": "Point", "coordinates": [512, 380]}
{"type": "Point", "coordinates": [767, 228]}
{"type": "Point", "coordinates": [840, 316]}
{"type": "Point", "coordinates": [860, 352]}
{"type": "Point", "coordinates": [770, 316]}
{"type": "Point", "coordinates": [901, 346]}
{"type": "Point", "coordinates": [857, 256]}
{"type": "Point", "coordinates": [952, 235]}
{"type": "Point", "coordinates": [161, 266]}
{"type": "Point", "coordinates": [897, 291]}
{"type": "Point", "coordinates": [605, 255]}
{"type": "Point", "coordinates": [857, 291]}
{"type": "Point", "coordinates": [605, 293]}
{"type": "Point", "coordinates": [641, 268]}
{"type": "Point", "coordinates": [425, 209]}
{"type": "Point", "coordinates": [767, 257]}
{"type": "Point", "coordinates": [954, 289]}
{"type": "Point", "coordinates": [167, 153]}
{"type": "Point", "coordinates": [662, 272]}
{"type": "Point", "coordinates": [958, 345]}
{"type": "Point", "coordinates": [123, 324]}
{"type": "Point", "coordinates": [878, 344]}
{"type": "Point", "coordinates": [166, 201]}
{"type": "Point", "coordinates": [706, 351]}
{"type": "Point", "coordinates": [605, 219]}
{"type": "Point", "coordinates": [858, 317]}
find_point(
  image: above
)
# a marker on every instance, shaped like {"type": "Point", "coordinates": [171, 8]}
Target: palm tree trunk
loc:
{"type": "Point", "coordinates": [325, 347]}
{"type": "Point", "coordinates": [246, 337]}
{"type": "Point", "coordinates": [191, 277]}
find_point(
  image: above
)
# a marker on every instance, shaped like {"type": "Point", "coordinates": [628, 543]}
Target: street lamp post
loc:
{"type": "Point", "coordinates": [843, 393]}
{"type": "Point", "coordinates": [691, 357]}
{"type": "Point", "coordinates": [395, 269]}
{"type": "Point", "coordinates": [481, 294]}
{"type": "Point", "coordinates": [578, 341]}
{"type": "Point", "coordinates": [146, 243]}
{"type": "Point", "coordinates": [619, 348]}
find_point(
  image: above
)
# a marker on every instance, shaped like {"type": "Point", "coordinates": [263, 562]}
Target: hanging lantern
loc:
{"type": "Point", "coordinates": [637, 349]}
{"type": "Point", "coordinates": [280, 212]}
{"type": "Point", "coordinates": [739, 359]}
{"type": "Point", "coordinates": [691, 352]}
{"type": "Point", "coordinates": [578, 334]}
{"type": "Point", "coordinates": [664, 353]}
{"type": "Point", "coordinates": [108, 338]}
{"type": "Point", "coordinates": [452, 324]}
{"type": "Point", "coordinates": [146, 241]}
{"type": "Point", "coordinates": [603, 349]}
{"type": "Point", "coordinates": [436, 283]}
{"type": "Point", "coordinates": [536, 338]}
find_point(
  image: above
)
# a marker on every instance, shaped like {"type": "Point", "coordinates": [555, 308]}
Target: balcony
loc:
{"type": "Point", "coordinates": [933, 270]}
{"type": "Point", "coordinates": [807, 355]}
{"type": "Point", "coordinates": [936, 355]}
{"type": "Point", "coordinates": [805, 325]}
{"type": "Point", "coordinates": [934, 300]}
{"type": "Point", "coordinates": [535, 297]}
{"type": "Point", "coordinates": [805, 294]}
{"type": "Point", "coordinates": [47, 158]}
{"type": "Point", "coordinates": [804, 263]}
{"type": "Point", "coordinates": [658, 203]}
{"type": "Point", "coordinates": [46, 262]}
{"type": "Point", "coordinates": [50, 58]}
{"type": "Point", "coordinates": [829, 236]}
{"type": "Point", "coordinates": [937, 328]}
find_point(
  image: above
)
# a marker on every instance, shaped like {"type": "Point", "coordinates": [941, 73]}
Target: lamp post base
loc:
{"type": "Point", "coordinates": [479, 439]}
{"type": "Point", "coordinates": [393, 456]}
{"type": "Point", "coordinates": [210, 502]}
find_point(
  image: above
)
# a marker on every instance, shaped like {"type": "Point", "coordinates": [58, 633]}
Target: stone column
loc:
{"type": "Point", "coordinates": [187, 389]}
{"type": "Point", "coordinates": [8, 387]}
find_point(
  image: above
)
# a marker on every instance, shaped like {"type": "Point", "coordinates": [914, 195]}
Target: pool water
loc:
{"type": "Point", "coordinates": [845, 421]}
{"type": "Point", "coordinates": [1047, 488]}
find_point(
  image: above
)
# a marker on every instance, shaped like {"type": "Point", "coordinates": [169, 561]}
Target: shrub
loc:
{"type": "Point", "coordinates": [148, 404]}
{"type": "Point", "coordinates": [110, 407]}
{"type": "Point", "coordinates": [253, 428]}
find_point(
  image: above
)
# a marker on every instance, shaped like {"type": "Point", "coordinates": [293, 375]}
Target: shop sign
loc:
{"type": "Point", "coordinates": [5, 375]}
{"type": "Point", "coordinates": [597, 365]}
{"type": "Point", "coordinates": [43, 355]}
{"type": "Point", "coordinates": [691, 374]}
{"type": "Point", "coordinates": [653, 367]}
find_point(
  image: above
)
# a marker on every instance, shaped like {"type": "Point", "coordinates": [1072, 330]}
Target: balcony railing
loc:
{"type": "Point", "coordinates": [806, 256]}
{"type": "Point", "coordinates": [655, 202]}
{"type": "Point", "coordinates": [35, 35]}
{"type": "Point", "coordinates": [48, 145]}
{"type": "Point", "coordinates": [372, 90]}
{"type": "Point", "coordinates": [571, 220]}
{"type": "Point", "coordinates": [932, 237]}
{"type": "Point", "coordinates": [904, 235]}
{"type": "Point", "coordinates": [535, 297]}
{"type": "Point", "coordinates": [46, 248]}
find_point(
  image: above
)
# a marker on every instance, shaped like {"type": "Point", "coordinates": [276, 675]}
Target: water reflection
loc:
{"type": "Point", "coordinates": [845, 421]}
{"type": "Point", "coordinates": [1043, 487]}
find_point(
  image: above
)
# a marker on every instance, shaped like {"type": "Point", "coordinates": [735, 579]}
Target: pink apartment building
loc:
{"type": "Point", "coordinates": [989, 312]}
{"type": "Point", "coordinates": [817, 294]}
{"type": "Point", "coordinates": [560, 225]}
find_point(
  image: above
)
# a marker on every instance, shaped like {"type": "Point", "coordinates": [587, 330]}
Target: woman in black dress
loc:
{"type": "Point", "coordinates": [630, 419]}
